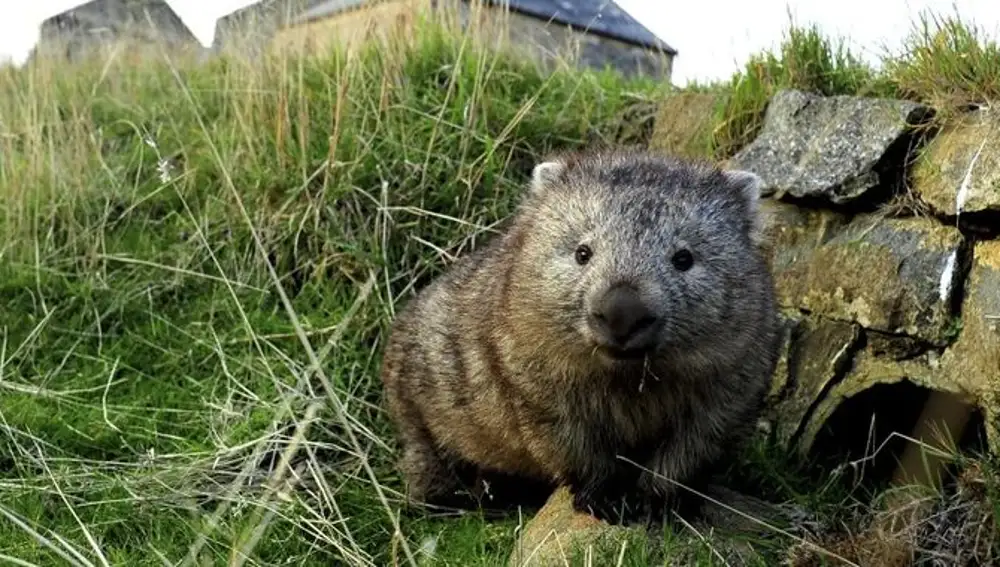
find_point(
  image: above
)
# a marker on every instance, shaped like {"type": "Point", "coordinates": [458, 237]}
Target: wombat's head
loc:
{"type": "Point", "coordinates": [627, 253]}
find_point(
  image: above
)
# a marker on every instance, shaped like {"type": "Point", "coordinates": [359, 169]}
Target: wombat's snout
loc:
{"type": "Point", "coordinates": [623, 323]}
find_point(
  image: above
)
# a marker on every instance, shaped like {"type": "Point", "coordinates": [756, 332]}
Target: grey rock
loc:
{"type": "Point", "coordinates": [834, 148]}
{"type": "Point", "coordinates": [973, 361]}
{"type": "Point", "coordinates": [85, 29]}
{"type": "Point", "coordinates": [819, 354]}
{"type": "Point", "coordinates": [969, 368]}
{"type": "Point", "coordinates": [896, 276]}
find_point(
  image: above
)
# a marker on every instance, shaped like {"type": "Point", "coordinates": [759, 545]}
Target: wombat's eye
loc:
{"type": "Point", "coordinates": [682, 259]}
{"type": "Point", "coordinates": [583, 254]}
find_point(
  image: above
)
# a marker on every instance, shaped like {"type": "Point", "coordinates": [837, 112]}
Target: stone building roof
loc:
{"type": "Point", "coordinates": [260, 20]}
{"type": "Point", "coordinates": [599, 17]}
{"type": "Point", "coordinates": [327, 8]}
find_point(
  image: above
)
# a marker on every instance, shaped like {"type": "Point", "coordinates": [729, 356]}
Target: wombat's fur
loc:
{"type": "Point", "coordinates": [508, 363]}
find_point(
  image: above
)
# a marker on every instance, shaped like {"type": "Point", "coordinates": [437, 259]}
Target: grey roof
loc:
{"type": "Point", "coordinates": [260, 19]}
{"type": "Point", "coordinates": [599, 17]}
{"type": "Point", "coordinates": [327, 8]}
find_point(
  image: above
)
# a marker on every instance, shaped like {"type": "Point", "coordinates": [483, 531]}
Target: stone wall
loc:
{"type": "Point", "coordinates": [883, 240]}
{"type": "Point", "coordinates": [251, 29]}
{"type": "Point", "coordinates": [351, 27]}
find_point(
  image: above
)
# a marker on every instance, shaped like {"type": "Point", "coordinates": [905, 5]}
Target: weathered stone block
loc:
{"type": "Point", "coordinates": [959, 170]}
{"type": "Point", "coordinates": [835, 148]}
{"type": "Point", "coordinates": [969, 368]}
{"type": "Point", "coordinates": [91, 27]}
{"type": "Point", "coordinates": [973, 362]}
{"type": "Point", "coordinates": [819, 353]}
{"type": "Point", "coordinates": [868, 370]}
{"type": "Point", "coordinates": [558, 531]}
{"type": "Point", "coordinates": [780, 384]}
{"type": "Point", "coordinates": [891, 275]}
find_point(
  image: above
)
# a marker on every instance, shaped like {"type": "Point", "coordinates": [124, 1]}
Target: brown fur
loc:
{"type": "Point", "coordinates": [488, 375]}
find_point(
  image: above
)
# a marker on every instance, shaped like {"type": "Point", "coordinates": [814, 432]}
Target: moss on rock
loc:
{"type": "Point", "coordinates": [891, 275]}
{"type": "Point", "coordinates": [558, 533]}
{"type": "Point", "coordinates": [818, 355]}
{"type": "Point", "coordinates": [959, 170]}
{"type": "Point", "coordinates": [969, 368]}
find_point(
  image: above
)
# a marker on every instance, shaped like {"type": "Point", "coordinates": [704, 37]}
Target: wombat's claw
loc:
{"type": "Point", "coordinates": [587, 502]}
{"type": "Point", "coordinates": [615, 509]}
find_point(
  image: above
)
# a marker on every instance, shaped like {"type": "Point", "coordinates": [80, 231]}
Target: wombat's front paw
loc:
{"type": "Point", "coordinates": [599, 506]}
{"type": "Point", "coordinates": [615, 506]}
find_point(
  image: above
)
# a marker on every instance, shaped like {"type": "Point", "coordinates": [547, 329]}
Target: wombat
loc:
{"type": "Point", "coordinates": [625, 310]}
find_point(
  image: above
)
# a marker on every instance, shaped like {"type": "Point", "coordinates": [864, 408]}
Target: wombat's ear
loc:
{"type": "Point", "coordinates": [749, 185]}
{"type": "Point", "coordinates": [544, 174]}
{"type": "Point", "coordinates": [748, 182]}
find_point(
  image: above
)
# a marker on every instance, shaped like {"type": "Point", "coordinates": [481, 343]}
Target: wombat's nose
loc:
{"type": "Point", "coordinates": [623, 320]}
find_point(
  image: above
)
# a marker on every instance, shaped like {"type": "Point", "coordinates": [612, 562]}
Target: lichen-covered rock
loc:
{"type": "Point", "coordinates": [780, 384]}
{"type": "Point", "coordinates": [969, 368]}
{"type": "Point", "coordinates": [819, 353]}
{"type": "Point", "coordinates": [834, 148]}
{"type": "Point", "coordinates": [973, 362]}
{"type": "Point", "coordinates": [961, 380]}
{"type": "Point", "coordinates": [868, 371]}
{"type": "Point", "coordinates": [558, 533]}
{"type": "Point", "coordinates": [959, 170]}
{"type": "Point", "coordinates": [896, 276]}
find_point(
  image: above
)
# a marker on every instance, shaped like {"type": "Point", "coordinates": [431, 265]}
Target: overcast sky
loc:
{"type": "Point", "coordinates": [712, 36]}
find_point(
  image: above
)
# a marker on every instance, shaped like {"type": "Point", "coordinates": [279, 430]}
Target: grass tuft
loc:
{"type": "Point", "coordinates": [805, 60]}
{"type": "Point", "coordinates": [180, 236]}
{"type": "Point", "coordinates": [948, 63]}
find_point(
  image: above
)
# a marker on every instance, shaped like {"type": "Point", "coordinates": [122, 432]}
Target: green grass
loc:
{"type": "Point", "coordinates": [200, 262]}
{"type": "Point", "coordinates": [151, 368]}
{"type": "Point", "coordinates": [946, 62]}
{"type": "Point", "coordinates": [806, 60]}
{"type": "Point", "coordinates": [949, 63]}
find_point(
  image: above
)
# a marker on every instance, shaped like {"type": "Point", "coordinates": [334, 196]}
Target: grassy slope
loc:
{"type": "Point", "coordinates": [152, 374]}
{"type": "Point", "coordinates": [148, 358]}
